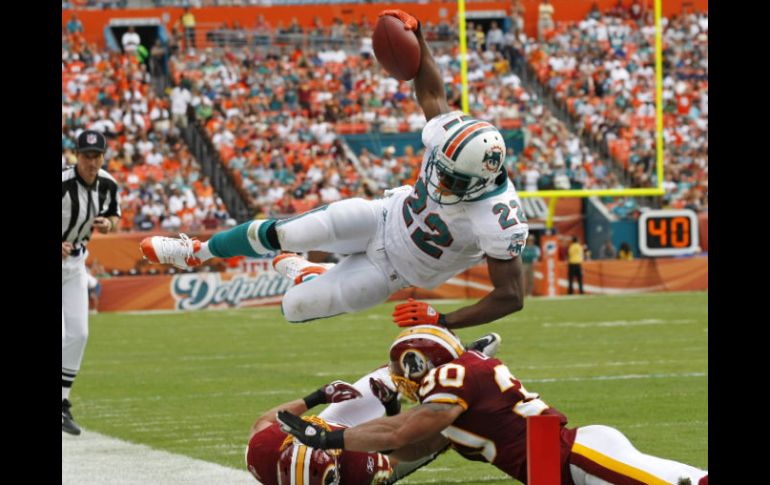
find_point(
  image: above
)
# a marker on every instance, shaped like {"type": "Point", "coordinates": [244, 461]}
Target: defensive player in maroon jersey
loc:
{"type": "Point", "coordinates": [474, 403]}
{"type": "Point", "coordinates": [275, 458]}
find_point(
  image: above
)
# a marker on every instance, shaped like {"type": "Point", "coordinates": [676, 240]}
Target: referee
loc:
{"type": "Point", "coordinates": [89, 200]}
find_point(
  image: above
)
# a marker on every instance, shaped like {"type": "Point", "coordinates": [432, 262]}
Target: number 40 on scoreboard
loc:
{"type": "Point", "coordinates": [668, 232]}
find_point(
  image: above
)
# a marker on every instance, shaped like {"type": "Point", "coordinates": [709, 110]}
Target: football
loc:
{"type": "Point", "coordinates": [396, 48]}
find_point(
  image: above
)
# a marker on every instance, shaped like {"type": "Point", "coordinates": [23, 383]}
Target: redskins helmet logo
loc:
{"type": "Point", "coordinates": [493, 158]}
{"type": "Point", "coordinates": [414, 364]}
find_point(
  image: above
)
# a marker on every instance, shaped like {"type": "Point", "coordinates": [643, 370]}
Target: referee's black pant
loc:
{"type": "Point", "coordinates": [575, 272]}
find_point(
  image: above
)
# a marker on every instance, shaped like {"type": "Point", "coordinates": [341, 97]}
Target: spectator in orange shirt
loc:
{"type": "Point", "coordinates": [204, 191]}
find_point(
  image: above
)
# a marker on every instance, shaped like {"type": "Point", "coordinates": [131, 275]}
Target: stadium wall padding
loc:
{"type": "Point", "coordinates": [95, 20]}
{"type": "Point", "coordinates": [197, 291]}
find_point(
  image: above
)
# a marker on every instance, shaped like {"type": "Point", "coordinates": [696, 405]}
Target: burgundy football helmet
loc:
{"type": "Point", "coordinates": [301, 464]}
{"type": "Point", "coordinates": [417, 350]}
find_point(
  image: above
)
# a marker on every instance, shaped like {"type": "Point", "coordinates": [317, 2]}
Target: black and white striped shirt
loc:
{"type": "Point", "coordinates": [81, 204]}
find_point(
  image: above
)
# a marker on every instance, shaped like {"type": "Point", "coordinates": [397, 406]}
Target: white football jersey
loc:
{"type": "Point", "coordinates": [428, 243]}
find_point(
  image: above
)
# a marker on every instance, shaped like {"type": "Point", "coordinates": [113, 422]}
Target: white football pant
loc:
{"type": "Point", "coordinates": [74, 316]}
{"type": "Point", "coordinates": [602, 455]}
{"type": "Point", "coordinates": [361, 280]}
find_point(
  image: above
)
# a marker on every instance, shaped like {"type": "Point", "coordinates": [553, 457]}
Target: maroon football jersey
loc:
{"type": "Point", "coordinates": [263, 453]}
{"type": "Point", "coordinates": [493, 427]}
{"type": "Point", "coordinates": [355, 468]}
{"type": "Point", "coordinates": [358, 468]}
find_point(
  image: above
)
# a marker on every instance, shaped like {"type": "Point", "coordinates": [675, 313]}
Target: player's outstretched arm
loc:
{"type": "Point", "coordinates": [389, 433]}
{"type": "Point", "coordinates": [507, 296]}
{"type": "Point", "coordinates": [420, 449]}
{"type": "Point", "coordinates": [413, 426]}
{"type": "Point", "coordinates": [337, 391]}
{"type": "Point", "coordinates": [428, 84]}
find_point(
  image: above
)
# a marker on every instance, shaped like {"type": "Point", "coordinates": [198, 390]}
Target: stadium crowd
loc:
{"type": "Point", "coordinates": [162, 187]}
{"type": "Point", "coordinates": [275, 114]}
{"type": "Point", "coordinates": [602, 69]}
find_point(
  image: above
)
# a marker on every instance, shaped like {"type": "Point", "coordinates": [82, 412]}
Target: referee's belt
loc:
{"type": "Point", "coordinates": [77, 251]}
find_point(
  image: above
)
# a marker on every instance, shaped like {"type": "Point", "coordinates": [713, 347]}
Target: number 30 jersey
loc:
{"type": "Point", "coordinates": [428, 242]}
{"type": "Point", "coordinates": [493, 427]}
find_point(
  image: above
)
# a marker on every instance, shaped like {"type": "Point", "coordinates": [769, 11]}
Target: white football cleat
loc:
{"type": "Point", "coordinates": [179, 252]}
{"type": "Point", "coordinates": [297, 268]}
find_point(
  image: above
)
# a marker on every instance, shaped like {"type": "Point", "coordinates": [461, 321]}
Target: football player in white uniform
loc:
{"type": "Point", "coordinates": [462, 209]}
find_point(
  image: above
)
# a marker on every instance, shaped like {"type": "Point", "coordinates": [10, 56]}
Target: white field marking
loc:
{"type": "Point", "coordinates": [633, 294]}
{"type": "Point", "coordinates": [294, 391]}
{"type": "Point", "coordinates": [618, 378]}
{"type": "Point", "coordinates": [620, 323]}
{"type": "Point", "coordinates": [269, 392]}
{"type": "Point", "coordinates": [471, 284]}
{"type": "Point", "coordinates": [666, 424]}
{"type": "Point", "coordinates": [621, 363]}
{"type": "Point", "coordinates": [96, 459]}
{"type": "Point", "coordinates": [600, 290]}
{"type": "Point", "coordinates": [413, 479]}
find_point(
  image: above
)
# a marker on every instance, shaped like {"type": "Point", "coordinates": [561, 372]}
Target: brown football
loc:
{"type": "Point", "coordinates": [396, 48]}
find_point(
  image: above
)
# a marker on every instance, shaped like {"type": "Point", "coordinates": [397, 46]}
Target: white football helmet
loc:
{"type": "Point", "coordinates": [466, 163]}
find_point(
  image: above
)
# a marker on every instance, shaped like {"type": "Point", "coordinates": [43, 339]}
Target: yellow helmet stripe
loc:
{"type": "Point", "coordinates": [451, 342]}
{"type": "Point", "coordinates": [301, 462]}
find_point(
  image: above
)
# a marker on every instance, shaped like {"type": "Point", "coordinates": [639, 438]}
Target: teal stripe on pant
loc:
{"type": "Point", "coordinates": [233, 242]}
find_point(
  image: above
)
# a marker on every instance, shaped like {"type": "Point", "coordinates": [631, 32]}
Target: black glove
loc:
{"type": "Point", "coordinates": [310, 434]}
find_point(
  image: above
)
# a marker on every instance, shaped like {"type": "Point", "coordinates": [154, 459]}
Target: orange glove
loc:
{"type": "Point", "coordinates": [416, 313]}
{"type": "Point", "coordinates": [410, 23]}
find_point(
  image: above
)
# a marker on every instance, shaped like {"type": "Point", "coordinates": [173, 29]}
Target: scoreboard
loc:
{"type": "Point", "coordinates": [668, 232]}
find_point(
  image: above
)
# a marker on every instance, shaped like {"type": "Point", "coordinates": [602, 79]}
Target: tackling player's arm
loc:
{"type": "Point", "coordinates": [411, 427]}
{"type": "Point", "coordinates": [337, 391]}
{"type": "Point", "coordinates": [389, 433]}
{"type": "Point", "coordinates": [507, 296]}
{"type": "Point", "coordinates": [415, 451]}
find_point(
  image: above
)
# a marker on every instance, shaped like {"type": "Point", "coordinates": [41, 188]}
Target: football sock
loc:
{"type": "Point", "coordinates": [204, 253]}
{"type": "Point", "coordinates": [237, 241]}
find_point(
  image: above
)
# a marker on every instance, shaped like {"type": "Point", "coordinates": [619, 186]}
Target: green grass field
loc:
{"type": "Point", "coordinates": [193, 383]}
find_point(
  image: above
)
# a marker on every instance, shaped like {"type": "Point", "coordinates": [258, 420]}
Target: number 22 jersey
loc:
{"type": "Point", "coordinates": [428, 242]}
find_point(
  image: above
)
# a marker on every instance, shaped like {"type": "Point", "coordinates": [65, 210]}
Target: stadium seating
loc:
{"type": "Point", "coordinates": [601, 70]}
{"type": "Point", "coordinates": [161, 184]}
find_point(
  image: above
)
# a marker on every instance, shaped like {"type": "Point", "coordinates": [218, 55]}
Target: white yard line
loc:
{"type": "Point", "coordinates": [618, 377]}
{"type": "Point", "coordinates": [96, 459]}
{"type": "Point", "coordinates": [619, 323]}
